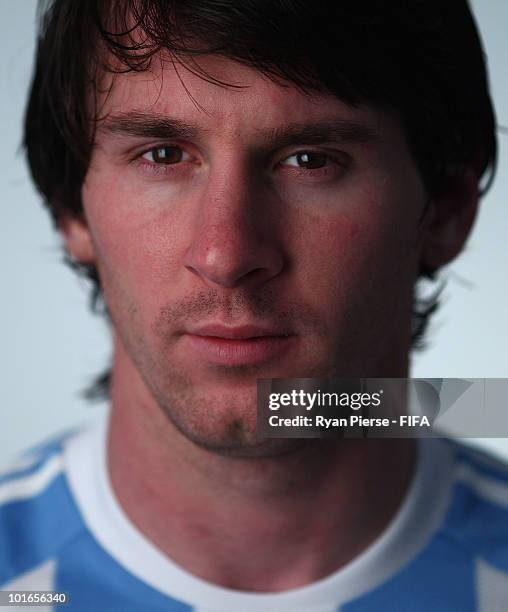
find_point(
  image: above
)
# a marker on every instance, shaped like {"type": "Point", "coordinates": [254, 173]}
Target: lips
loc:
{"type": "Point", "coordinates": [241, 345]}
{"type": "Point", "coordinates": [243, 332]}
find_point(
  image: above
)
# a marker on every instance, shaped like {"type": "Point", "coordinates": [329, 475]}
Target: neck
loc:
{"type": "Point", "coordinates": [257, 524]}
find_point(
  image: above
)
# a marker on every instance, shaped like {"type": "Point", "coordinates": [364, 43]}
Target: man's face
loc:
{"type": "Point", "coordinates": [252, 232]}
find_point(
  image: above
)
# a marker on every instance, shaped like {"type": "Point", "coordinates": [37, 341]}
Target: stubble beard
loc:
{"type": "Point", "coordinates": [220, 421]}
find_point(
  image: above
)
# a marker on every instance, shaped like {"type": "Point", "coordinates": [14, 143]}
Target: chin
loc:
{"type": "Point", "coordinates": [247, 449]}
{"type": "Point", "coordinates": [222, 423]}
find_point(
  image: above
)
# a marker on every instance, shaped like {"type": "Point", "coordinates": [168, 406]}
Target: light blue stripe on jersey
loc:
{"type": "Point", "coordinates": [34, 529]}
{"type": "Point", "coordinates": [97, 582]}
{"type": "Point", "coordinates": [440, 579]}
{"type": "Point", "coordinates": [481, 524]}
{"type": "Point", "coordinates": [483, 463]}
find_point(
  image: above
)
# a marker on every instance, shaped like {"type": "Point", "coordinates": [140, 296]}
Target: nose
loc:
{"type": "Point", "coordinates": [234, 239]}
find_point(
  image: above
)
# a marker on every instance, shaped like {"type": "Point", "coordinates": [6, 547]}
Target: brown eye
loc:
{"type": "Point", "coordinates": [310, 160]}
{"type": "Point", "coordinates": [165, 155]}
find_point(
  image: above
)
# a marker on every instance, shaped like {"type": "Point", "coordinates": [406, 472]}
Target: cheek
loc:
{"type": "Point", "coordinates": [343, 247]}
{"type": "Point", "coordinates": [355, 264]}
{"type": "Point", "coordinates": [136, 243]}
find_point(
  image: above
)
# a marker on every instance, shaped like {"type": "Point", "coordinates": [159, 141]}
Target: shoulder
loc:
{"type": "Point", "coordinates": [38, 516]}
{"type": "Point", "coordinates": [478, 513]}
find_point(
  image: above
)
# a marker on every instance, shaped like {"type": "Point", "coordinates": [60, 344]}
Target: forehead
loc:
{"type": "Point", "coordinates": [241, 99]}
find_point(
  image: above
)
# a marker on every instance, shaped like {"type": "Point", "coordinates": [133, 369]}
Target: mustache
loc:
{"type": "Point", "coordinates": [263, 306]}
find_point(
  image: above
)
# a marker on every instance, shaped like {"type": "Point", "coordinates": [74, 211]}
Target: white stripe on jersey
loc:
{"type": "Point", "coordinates": [481, 458]}
{"type": "Point", "coordinates": [42, 578]}
{"type": "Point", "coordinates": [487, 487]}
{"type": "Point", "coordinates": [492, 588]}
{"type": "Point", "coordinates": [28, 486]}
{"type": "Point", "coordinates": [20, 463]}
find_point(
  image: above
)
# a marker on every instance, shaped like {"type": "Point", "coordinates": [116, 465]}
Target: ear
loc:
{"type": "Point", "coordinates": [453, 215]}
{"type": "Point", "coordinates": [77, 239]}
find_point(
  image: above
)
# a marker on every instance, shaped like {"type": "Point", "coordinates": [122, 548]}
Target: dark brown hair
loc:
{"type": "Point", "coordinates": [421, 58]}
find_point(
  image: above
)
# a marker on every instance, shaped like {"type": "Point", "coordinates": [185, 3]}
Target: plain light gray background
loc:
{"type": "Point", "coordinates": [51, 344]}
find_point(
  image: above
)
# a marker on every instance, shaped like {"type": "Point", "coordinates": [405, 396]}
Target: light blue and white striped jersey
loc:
{"type": "Point", "coordinates": [446, 550]}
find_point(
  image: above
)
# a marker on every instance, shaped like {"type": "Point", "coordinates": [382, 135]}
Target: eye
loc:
{"type": "Point", "coordinates": [166, 155]}
{"type": "Point", "coordinates": [310, 160]}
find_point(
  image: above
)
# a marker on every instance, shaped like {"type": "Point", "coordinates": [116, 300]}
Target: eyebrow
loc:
{"type": "Point", "coordinates": [148, 125]}
{"type": "Point", "coordinates": [329, 130]}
